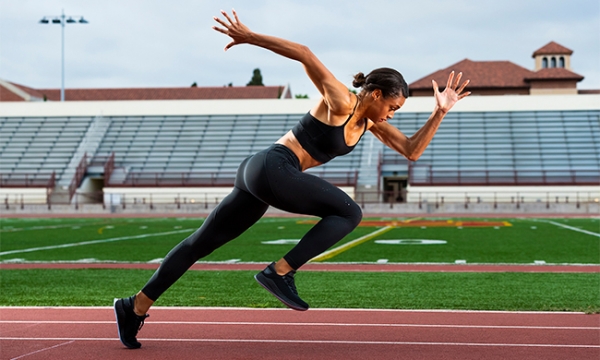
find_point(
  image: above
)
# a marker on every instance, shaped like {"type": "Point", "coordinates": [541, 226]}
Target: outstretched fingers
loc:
{"type": "Point", "coordinates": [224, 31]}
{"type": "Point", "coordinates": [436, 89]}
{"type": "Point", "coordinates": [450, 79]}
{"type": "Point", "coordinates": [457, 81]}
{"type": "Point", "coordinates": [463, 86]}
{"type": "Point", "coordinates": [227, 16]}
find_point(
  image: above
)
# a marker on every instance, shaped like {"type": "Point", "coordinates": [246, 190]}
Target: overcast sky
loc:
{"type": "Point", "coordinates": [152, 43]}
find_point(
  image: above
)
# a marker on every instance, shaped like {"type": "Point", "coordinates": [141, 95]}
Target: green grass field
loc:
{"type": "Point", "coordinates": [514, 241]}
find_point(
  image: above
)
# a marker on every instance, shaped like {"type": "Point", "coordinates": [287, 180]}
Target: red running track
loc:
{"type": "Point", "coordinates": [348, 267]}
{"type": "Point", "coordinates": [234, 333]}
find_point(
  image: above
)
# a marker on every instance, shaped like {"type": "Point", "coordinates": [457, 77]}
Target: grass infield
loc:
{"type": "Point", "coordinates": [516, 241]}
{"type": "Point", "coordinates": [468, 291]}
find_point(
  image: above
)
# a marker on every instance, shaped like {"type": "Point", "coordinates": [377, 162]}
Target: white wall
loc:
{"type": "Point", "coordinates": [284, 106]}
{"type": "Point", "coordinates": [194, 195]}
{"type": "Point", "coordinates": [26, 195]}
{"type": "Point", "coordinates": [543, 194]}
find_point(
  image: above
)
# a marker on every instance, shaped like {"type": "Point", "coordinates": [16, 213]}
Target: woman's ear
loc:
{"type": "Point", "coordinates": [376, 94]}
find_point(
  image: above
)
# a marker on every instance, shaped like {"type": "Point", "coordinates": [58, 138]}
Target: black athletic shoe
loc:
{"type": "Point", "coordinates": [282, 287]}
{"type": "Point", "coordinates": [128, 323]}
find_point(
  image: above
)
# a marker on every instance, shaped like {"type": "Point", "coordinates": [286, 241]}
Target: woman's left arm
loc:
{"type": "Point", "coordinates": [412, 148]}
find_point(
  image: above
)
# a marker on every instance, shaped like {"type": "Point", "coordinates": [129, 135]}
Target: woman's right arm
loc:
{"type": "Point", "coordinates": [335, 94]}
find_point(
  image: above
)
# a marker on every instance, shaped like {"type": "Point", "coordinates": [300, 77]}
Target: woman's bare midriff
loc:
{"type": "Point", "coordinates": [306, 161]}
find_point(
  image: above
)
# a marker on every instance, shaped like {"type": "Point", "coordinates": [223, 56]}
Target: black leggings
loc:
{"type": "Point", "coordinates": [270, 177]}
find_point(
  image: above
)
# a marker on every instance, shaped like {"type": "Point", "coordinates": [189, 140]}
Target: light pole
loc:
{"type": "Point", "coordinates": [61, 20]}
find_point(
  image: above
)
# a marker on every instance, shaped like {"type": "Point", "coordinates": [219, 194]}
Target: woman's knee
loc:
{"type": "Point", "coordinates": [354, 214]}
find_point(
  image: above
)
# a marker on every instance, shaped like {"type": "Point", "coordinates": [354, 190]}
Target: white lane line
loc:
{"type": "Point", "coordinates": [41, 350]}
{"type": "Point", "coordinates": [233, 308]}
{"type": "Point", "coordinates": [91, 242]}
{"type": "Point", "coordinates": [266, 323]}
{"type": "Point", "coordinates": [338, 342]}
{"type": "Point", "coordinates": [571, 228]}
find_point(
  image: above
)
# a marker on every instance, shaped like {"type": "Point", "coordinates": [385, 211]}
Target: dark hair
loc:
{"type": "Point", "coordinates": [389, 81]}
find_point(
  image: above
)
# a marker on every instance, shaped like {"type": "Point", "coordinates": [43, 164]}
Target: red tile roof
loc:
{"type": "Point", "coordinates": [7, 95]}
{"type": "Point", "coordinates": [187, 93]}
{"type": "Point", "coordinates": [482, 74]}
{"type": "Point", "coordinates": [554, 74]}
{"type": "Point", "coordinates": [552, 48]}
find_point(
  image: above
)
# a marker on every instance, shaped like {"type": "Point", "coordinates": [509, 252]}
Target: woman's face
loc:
{"type": "Point", "coordinates": [383, 109]}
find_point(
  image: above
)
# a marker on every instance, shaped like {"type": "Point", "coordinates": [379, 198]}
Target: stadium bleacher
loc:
{"type": "Point", "coordinates": [496, 141]}
{"type": "Point", "coordinates": [507, 148]}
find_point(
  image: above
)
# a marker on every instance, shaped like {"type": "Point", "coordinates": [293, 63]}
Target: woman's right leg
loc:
{"type": "Point", "coordinates": [234, 215]}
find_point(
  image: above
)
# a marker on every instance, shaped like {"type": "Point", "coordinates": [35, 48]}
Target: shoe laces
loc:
{"type": "Point", "coordinates": [141, 319]}
{"type": "Point", "coordinates": [289, 280]}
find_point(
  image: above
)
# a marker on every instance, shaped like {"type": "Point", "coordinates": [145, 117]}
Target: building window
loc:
{"type": "Point", "coordinates": [561, 62]}
{"type": "Point", "coordinates": [544, 62]}
{"type": "Point", "coordinates": [553, 62]}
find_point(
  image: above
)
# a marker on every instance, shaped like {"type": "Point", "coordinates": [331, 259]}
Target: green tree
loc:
{"type": "Point", "coordinates": [256, 79]}
{"type": "Point", "coordinates": [301, 96]}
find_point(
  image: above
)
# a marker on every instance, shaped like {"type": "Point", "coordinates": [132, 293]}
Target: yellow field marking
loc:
{"type": "Point", "coordinates": [100, 230]}
{"type": "Point", "coordinates": [506, 223]}
{"type": "Point", "coordinates": [349, 245]}
{"type": "Point", "coordinates": [411, 219]}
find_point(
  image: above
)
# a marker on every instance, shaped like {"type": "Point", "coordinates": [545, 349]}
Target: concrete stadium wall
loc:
{"type": "Point", "coordinates": [15, 196]}
{"type": "Point", "coordinates": [182, 195]}
{"type": "Point", "coordinates": [491, 194]}
{"type": "Point", "coordinates": [284, 106]}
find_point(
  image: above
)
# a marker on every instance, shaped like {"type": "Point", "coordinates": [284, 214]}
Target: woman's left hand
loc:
{"type": "Point", "coordinates": [451, 94]}
{"type": "Point", "coordinates": [239, 32]}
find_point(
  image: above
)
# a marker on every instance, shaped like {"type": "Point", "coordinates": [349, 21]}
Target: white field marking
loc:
{"type": "Point", "coordinates": [232, 261]}
{"type": "Point", "coordinates": [338, 342]}
{"type": "Point", "coordinates": [267, 323]}
{"type": "Point", "coordinates": [6, 229]}
{"type": "Point", "coordinates": [91, 242]}
{"type": "Point", "coordinates": [410, 242]}
{"type": "Point", "coordinates": [571, 228]}
{"type": "Point", "coordinates": [39, 351]}
{"type": "Point", "coordinates": [223, 308]}
{"type": "Point", "coordinates": [281, 242]}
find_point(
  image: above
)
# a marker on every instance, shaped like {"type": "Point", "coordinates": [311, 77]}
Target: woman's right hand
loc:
{"type": "Point", "coordinates": [234, 29]}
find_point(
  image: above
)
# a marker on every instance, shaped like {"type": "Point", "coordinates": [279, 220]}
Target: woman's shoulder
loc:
{"type": "Point", "coordinates": [335, 114]}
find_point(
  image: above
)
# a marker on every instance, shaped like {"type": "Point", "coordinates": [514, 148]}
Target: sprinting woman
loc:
{"type": "Point", "coordinates": [275, 176]}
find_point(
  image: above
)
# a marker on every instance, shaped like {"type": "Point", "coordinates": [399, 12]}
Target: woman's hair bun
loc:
{"type": "Point", "coordinates": [359, 80]}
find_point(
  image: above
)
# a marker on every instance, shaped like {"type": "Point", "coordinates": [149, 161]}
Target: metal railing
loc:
{"type": "Point", "coordinates": [26, 180]}
{"type": "Point", "coordinates": [79, 174]}
{"type": "Point", "coordinates": [211, 178]}
{"type": "Point", "coordinates": [109, 167]}
{"type": "Point", "coordinates": [425, 175]}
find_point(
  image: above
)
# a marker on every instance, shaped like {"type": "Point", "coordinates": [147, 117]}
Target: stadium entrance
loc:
{"type": "Point", "coordinates": [394, 189]}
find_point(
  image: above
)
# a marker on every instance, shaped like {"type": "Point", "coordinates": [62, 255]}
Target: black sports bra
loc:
{"type": "Point", "coordinates": [323, 142]}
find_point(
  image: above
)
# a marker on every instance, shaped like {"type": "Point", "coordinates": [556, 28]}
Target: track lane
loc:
{"type": "Point", "coordinates": [223, 333]}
